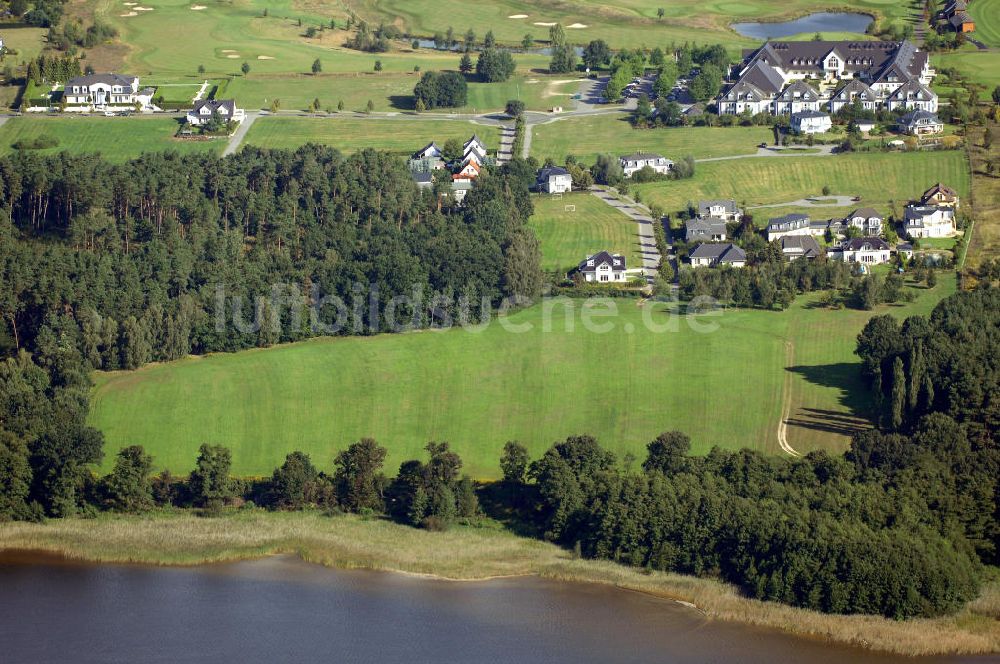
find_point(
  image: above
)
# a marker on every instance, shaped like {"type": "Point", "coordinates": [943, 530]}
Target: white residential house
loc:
{"type": "Point", "coordinates": [725, 210]}
{"type": "Point", "coordinates": [865, 126]}
{"type": "Point", "coordinates": [203, 110]}
{"type": "Point", "coordinates": [864, 250]}
{"type": "Point", "coordinates": [474, 149]}
{"type": "Point", "coordinates": [603, 267]}
{"type": "Point", "coordinates": [929, 221]}
{"type": "Point", "coordinates": [710, 255]}
{"type": "Point", "coordinates": [796, 98]}
{"type": "Point", "coordinates": [867, 220]}
{"type": "Point", "coordinates": [429, 151]}
{"type": "Point", "coordinates": [459, 188]}
{"type": "Point", "coordinates": [640, 160]}
{"type": "Point", "coordinates": [920, 123]}
{"type": "Point", "coordinates": [789, 224]}
{"type": "Point", "coordinates": [554, 180]}
{"type": "Point", "coordinates": [810, 122]}
{"type": "Point", "coordinates": [469, 171]}
{"type": "Point", "coordinates": [101, 91]}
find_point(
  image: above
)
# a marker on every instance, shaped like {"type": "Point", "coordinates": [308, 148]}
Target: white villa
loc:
{"type": "Point", "coordinates": [636, 162]}
{"type": "Point", "coordinates": [710, 255]}
{"type": "Point", "coordinates": [867, 220]}
{"type": "Point", "coordinates": [789, 224]}
{"type": "Point", "coordinates": [920, 123]}
{"type": "Point", "coordinates": [203, 110]}
{"type": "Point", "coordinates": [554, 180]}
{"type": "Point", "coordinates": [929, 221]}
{"type": "Point", "coordinates": [792, 77]}
{"type": "Point", "coordinates": [105, 91]}
{"type": "Point", "coordinates": [724, 209]}
{"type": "Point", "coordinates": [864, 250]}
{"type": "Point", "coordinates": [811, 122]}
{"type": "Point", "coordinates": [603, 267]}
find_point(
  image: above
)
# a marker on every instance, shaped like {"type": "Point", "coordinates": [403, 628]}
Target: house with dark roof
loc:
{"type": "Point", "coordinates": [920, 123]}
{"type": "Point", "coordinates": [603, 267]}
{"type": "Point", "coordinates": [769, 77]}
{"type": "Point", "coordinates": [864, 250]}
{"type": "Point", "coordinates": [101, 91]}
{"type": "Point", "coordinates": [800, 246]}
{"type": "Point", "coordinates": [940, 195]}
{"type": "Point", "coordinates": [956, 16]}
{"type": "Point", "coordinates": [631, 163]}
{"type": "Point", "coordinates": [867, 220]}
{"type": "Point", "coordinates": [705, 229]}
{"type": "Point", "coordinates": [554, 180]}
{"type": "Point", "coordinates": [789, 224]}
{"type": "Point", "coordinates": [423, 179]}
{"type": "Point", "coordinates": [724, 209]}
{"type": "Point", "coordinates": [810, 122]}
{"type": "Point", "coordinates": [712, 254]}
{"type": "Point", "coordinates": [204, 109]}
{"type": "Point", "coordinates": [429, 151]}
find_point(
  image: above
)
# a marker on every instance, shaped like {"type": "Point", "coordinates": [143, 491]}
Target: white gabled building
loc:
{"type": "Point", "coordinates": [101, 91]}
{"type": "Point", "coordinates": [811, 122]}
{"type": "Point", "coordinates": [603, 267]}
{"type": "Point", "coordinates": [554, 180]}
{"type": "Point", "coordinates": [203, 110]}
{"type": "Point", "coordinates": [633, 163]}
{"type": "Point", "coordinates": [864, 250]}
{"type": "Point", "coordinates": [867, 220]}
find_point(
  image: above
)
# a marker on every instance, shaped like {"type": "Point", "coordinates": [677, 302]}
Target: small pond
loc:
{"type": "Point", "coordinates": [818, 22]}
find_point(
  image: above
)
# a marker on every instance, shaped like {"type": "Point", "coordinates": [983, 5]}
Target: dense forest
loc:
{"type": "Point", "coordinates": [109, 266]}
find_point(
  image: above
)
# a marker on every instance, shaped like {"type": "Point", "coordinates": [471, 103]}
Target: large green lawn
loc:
{"type": "Point", "coordinates": [118, 139]}
{"type": "Point", "coordinates": [586, 137]}
{"type": "Point", "coordinates": [874, 176]}
{"type": "Point", "coordinates": [567, 237]}
{"type": "Point", "coordinates": [981, 67]}
{"type": "Point", "coordinates": [402, 136]}
{"type": "Point", "coordinates": [986, 14]}
{"type": "Point", "coordinates": [479, 389]}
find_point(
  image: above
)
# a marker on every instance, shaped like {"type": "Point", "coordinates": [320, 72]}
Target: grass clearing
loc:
{"type": "Point", "coordinates": [118, 139]}
{"type": "Point", "coordinates": [981, 67]}
{"type": "Point", "coordinates": [587, 137]}
{"type": "Point", "coordinates": [465, 552]}
{"type": "Point", "coordinates": [874, 176]}
{"type": "Point", "coordinates": [569, 237]}
{"type": "Point", "coordinates": [400, 136]}
{"type": "Point", "coordinates": [985, 202]}
{"type": "Point", "coordinates": [540, 385]}
{"type": "Point", "coordinates": [986, 14]}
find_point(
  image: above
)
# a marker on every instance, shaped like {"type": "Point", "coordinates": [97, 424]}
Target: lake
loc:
{"type": "Point", "coordinates": [281, 609]}
{"type": "Point", "coordinates": [813, 23]}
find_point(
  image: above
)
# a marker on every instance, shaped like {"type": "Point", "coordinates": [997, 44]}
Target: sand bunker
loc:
{"type": "Point", "coordinates": [264, 57]}
{"type": "Point", "coordinates": [545, 25]}
{"type": "Point", "coordinates": [576, 26]}
{"type": "Point", "coordinates": [144, 9]}
{"type": "Point", "coordinates": [232, 56]}
{"type": "Point", "coordinates": [198, 8]}
{"type": "Point", "coordinates": [130, 4]}
{"type": "Point", "coordinates": [518, 16]}
{"type": "Point", "coordinates": [228, 50]}
{"type": "Point", "coordinates": [129, 14]}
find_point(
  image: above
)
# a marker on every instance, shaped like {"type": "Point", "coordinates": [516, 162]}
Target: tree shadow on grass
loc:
{"type": "Point", "coordinates": [854, 396]}
{"type": "Point", "coordinates": [402, 102]}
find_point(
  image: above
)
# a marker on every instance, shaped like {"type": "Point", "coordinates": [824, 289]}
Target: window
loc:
{"type": "Point", "coordinates": [604, 277]}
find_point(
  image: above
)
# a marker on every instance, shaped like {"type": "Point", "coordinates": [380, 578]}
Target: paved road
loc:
{"type": "Point", "coordinates": [824, 151]}
{"type": "Point", "coordinates": [504, 153]}
{"type": "Point", "coordinates": [240, 133]}
{"type": "Point", "coordinates": [817, 201]}
{"type": "Point", "coordinates": [647, 243]}
{"type": "Point", "coordinates": [526, 146]}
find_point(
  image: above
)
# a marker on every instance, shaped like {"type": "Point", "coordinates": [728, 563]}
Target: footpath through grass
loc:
{"type": "Point", "coordinates": [118, 139]}
{"type": "Point", "coordinates": [567, 237]}
{"type": "Point", "coordinates": [526, 381]}
{"type": "Point", "coordinates": [586, 137]}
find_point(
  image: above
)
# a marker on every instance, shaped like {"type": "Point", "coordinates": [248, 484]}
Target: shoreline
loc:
{"type": "Point", "coordinates": [467, 553]}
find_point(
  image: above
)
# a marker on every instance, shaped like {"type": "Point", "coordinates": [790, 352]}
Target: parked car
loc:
{"type": "Point", "coordinates": [109, 114]}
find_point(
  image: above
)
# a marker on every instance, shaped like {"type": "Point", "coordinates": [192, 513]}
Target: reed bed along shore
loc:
{"type": "Point", "coordinates": [475, 553]}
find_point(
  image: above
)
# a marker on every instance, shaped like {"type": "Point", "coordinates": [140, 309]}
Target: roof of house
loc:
{"type": "Point", "coordinates": [705, 225]}
{"type": "Point", "coordinates": [422, 177]}
{"type": "Point", "coordinates": [912, 89]}
{"type": "Point", "coordinates": [474, 139]}
{"type": "Point", "coordinates": [108, 79]}
{"type": "Point", "coordinates": [788, 221]}
{"type": "Point", "coordinates": [551, 171]}
{"type": "Point", "coordinates": [642, 156]}
{"type": "Point", "coordinates": [855, 86]}
{"type": "Point", "coordinates": [424, 150]}
{"type": "Point", "coordinates": [695, 109]}
{"type": "Point", "coordinates": [865, 213]}
{"type": "Point", "coordinates": [616, 261]}
{"type": "Point", "coordinates": [728, 204]}
{"type": "Point", "coordinates": [873, 58]}
{"type": "Point", "coordinates": [904, 246]}
{"type": "Point", "coordinates": [864, 243]}
{"type": "Point", "coordinates": [808, 114]}
{"type": "Point", "coordinates": [214, 105]}
{"type": "Point", "coordinates": [724, 252]}
{"type": "Point", "coordinates": [802, 244]}
{"type": "Point", "coordinates": [939, 188]}
{"type": "Point", "coordinates": [919, 212]}
{"type": "Point", "coordinates": [805, 91]}
{"type": "Point", "coordinates": [959, 17]}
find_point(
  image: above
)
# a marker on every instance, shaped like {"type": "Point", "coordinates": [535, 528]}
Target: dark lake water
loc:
{"type": "Point", "coordinates": [819, 22]}
{"type": "Point", "coordinates": [283, 610]}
